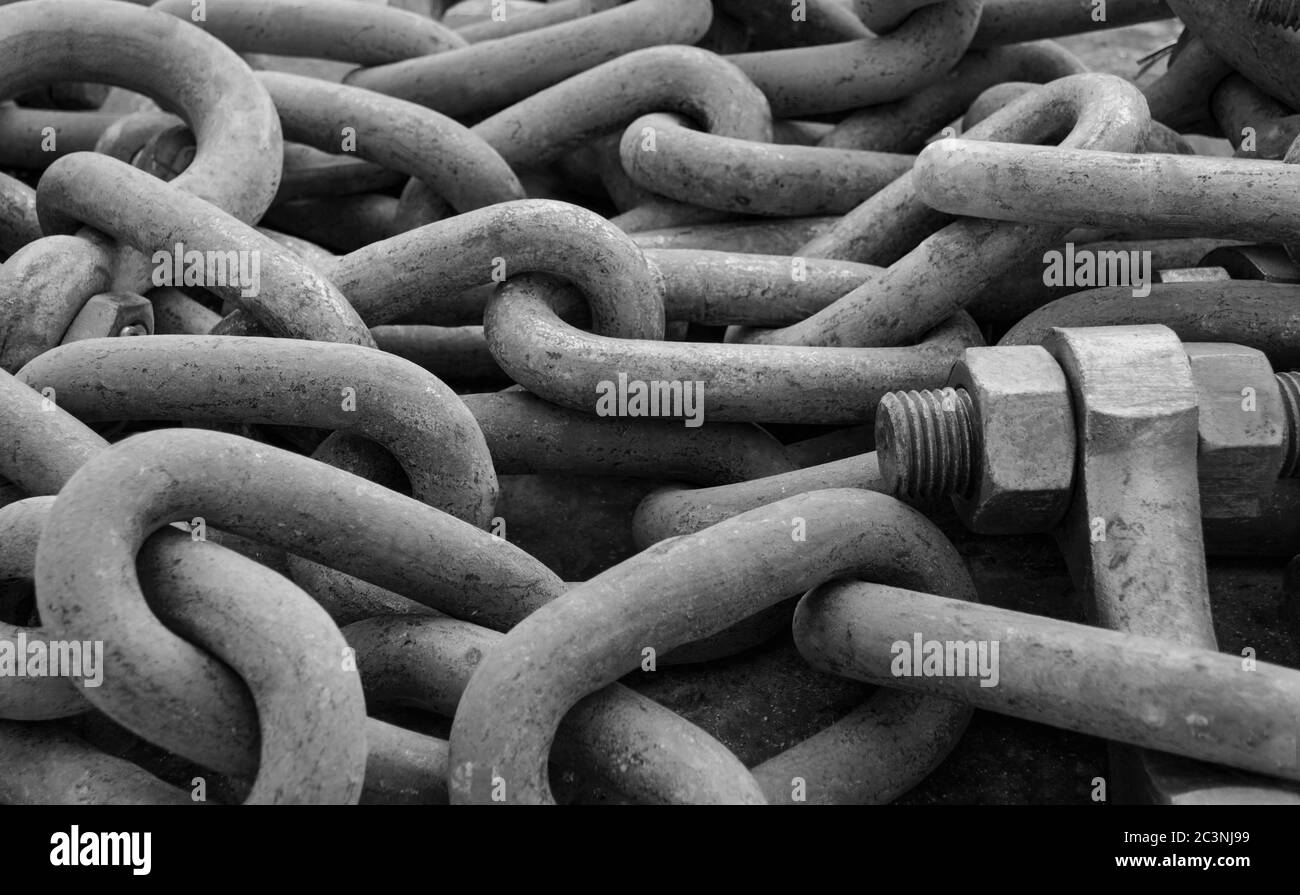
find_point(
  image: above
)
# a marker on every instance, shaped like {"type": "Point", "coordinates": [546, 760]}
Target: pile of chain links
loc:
{"type": "Point", "coordinates": [382, 385]}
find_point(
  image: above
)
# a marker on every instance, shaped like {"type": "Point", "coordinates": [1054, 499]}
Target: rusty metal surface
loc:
{"type": "Point", "coordinates": [535, 602]}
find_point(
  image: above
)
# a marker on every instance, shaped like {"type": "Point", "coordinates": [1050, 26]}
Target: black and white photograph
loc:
{"type": "Point", "coordinates": [585, 403]}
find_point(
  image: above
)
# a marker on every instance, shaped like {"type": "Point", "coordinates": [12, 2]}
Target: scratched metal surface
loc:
{"type": "Point", "coordinates": [766, 700]}
{"type": "Point", "coordinates": [763, 702]}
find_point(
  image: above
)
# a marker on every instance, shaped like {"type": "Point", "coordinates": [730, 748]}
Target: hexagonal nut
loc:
{"type": "Point", "coordinates": [1024, 419]}
{"type": "Point", "coordinates": [107, 314]}
{"type": "Point", "coordinates": [1241, 428]}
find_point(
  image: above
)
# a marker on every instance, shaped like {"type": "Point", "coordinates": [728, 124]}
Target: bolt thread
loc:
{"type": "Point", "coordinates": [1289, 383]}
{"type": "Point", "coordinates": [1283, 13]}
{"type": "Point", "coordinates": [926, 442]}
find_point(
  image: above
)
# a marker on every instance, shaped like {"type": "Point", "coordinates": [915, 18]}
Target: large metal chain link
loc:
{"type": "Point", "coordinates": [398, 404]}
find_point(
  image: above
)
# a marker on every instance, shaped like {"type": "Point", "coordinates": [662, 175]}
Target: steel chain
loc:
{"type": "Point", "coordinates": [485, 362]}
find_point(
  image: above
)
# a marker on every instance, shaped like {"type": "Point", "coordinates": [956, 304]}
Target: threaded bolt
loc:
{"type": "Point", "coordinates": [134, 329]}
{"type": "Point", "coordinates": [1283, 13]}
{"type": "Point", "coordinates": [929, 447]}
{"type": "Point", "coordinates": [927, 442]}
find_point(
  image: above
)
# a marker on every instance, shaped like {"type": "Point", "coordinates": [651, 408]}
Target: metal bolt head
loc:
{"type": "Point", "coordinates": [1024, 426]}
{"type": "Point", "coordinates": [110, 314]}
{"type": "Point", "coordinates": [1241, 423]}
